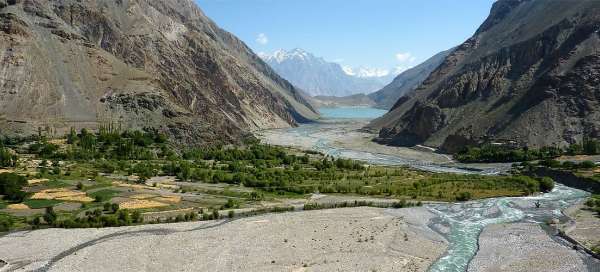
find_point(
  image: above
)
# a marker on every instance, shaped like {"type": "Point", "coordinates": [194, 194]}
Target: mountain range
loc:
{"type": "Point", "coordinates": [145, 64]}
{"type": "Point", "coordinates": [529, 75]}
{"type": "Point", "coordinates": [318, 77]}
{"type": "Point", "coordinates": [385, 98]}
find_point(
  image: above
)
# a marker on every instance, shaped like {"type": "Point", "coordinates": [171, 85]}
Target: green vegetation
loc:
{"type": "Point", "coordinates": [350, 204]}
{"type": "Point", "coordinates": [6, 222]}
{"type": "Point", "coordinates": [111, 164]}
{"type": "Point", "coordinates": [594, 204]}
{"type": "Point", "coordinates": [568, 165]}
{"type": "Point", "coordinates": [11, 186]}
{"type": "Point", "coordinates": [40, 203]}
{"type": "Point", "coordinates": [7, 159]}
{"type": "Point", "coordinates": [489, 153]}
{"type": "Point", "coordinates": [93, 219]}
{"type": "Point", "coordinates": [103, 195]}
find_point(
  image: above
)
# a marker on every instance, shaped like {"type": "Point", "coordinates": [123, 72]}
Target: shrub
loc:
{"type": "Point", "coordinates": [7, 159]}
{"type": "Point", "coordinates": [464, 196]}
{"type": "Point", "coordinates": [11, 185]}
{"type": "Point", "coordinates": [587, 165]}
{"type": "Point", "coordinates": [546, 184]}
{"type": "Point", "coordinates": [6, 222]}
{"type": "Point", "coordinates": [50, 216]}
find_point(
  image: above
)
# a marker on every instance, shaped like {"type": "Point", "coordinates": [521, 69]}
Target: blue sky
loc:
{"type": "Point", "coordinates": [371, 33]}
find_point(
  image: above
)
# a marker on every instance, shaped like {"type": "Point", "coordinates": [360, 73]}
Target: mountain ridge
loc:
{"type": "Point", "coordinates": [144, 64]}
{"type": "Point", "coordinates": [527, 75]}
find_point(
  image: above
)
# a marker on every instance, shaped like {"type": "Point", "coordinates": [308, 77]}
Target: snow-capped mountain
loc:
{"type": "Point", "coordinates": [319, 77]}
{"type": "Point", "coordinates": [366, 72]}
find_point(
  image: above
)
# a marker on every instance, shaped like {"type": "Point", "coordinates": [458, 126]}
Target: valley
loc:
{"type": "Point", "coordinates": [140, 135]}
{"type": "Point", "coordinates": [223, 191]}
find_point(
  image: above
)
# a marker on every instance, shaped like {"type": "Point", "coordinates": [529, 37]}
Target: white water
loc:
{"type": "Point", "coordinates": [467, 220]}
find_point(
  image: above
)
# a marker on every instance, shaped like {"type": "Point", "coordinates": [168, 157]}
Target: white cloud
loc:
{"type": "Point", "coordinates": [405, 57]}
{"type": "Point", "coordinates": [262, 39]}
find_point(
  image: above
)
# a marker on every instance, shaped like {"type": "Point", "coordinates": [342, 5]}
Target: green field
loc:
{"type": "Point", "coordinates": [40, 203]}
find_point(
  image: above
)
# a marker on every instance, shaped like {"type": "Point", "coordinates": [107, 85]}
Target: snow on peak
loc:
{"type": "Point", "coordinates": [281, 55]}
{"type": "Point", "coordinates": [348, 70]}
{"type": "Point", "coordinates": [366, 72]}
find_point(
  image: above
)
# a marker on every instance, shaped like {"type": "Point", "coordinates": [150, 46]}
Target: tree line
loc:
{"type": "Point", "coordinates": [490, 153]}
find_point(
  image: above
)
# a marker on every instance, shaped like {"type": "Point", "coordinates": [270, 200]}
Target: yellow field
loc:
{"type": "Point", "coordinates": [169, 199]}
{"type": "Point", "coordinates": [141, 204]}
{"type": "Point", "coordinates": [143, 196]}
{"type": "Point", "coordinates": [37, 181]}
{"type": "Point", "coordinates": [18, 207]}
{"type": "Point", "coordinates": [62, 194]}
{"type": "Point", "coordinates": [133, 186]}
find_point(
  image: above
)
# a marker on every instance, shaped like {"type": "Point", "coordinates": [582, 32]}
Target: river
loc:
{"type": "Point", "coordinates": [338, 135]}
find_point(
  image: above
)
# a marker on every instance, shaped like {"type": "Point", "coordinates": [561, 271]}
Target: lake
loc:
{"type": "Point", "coordinates": [351, 113]}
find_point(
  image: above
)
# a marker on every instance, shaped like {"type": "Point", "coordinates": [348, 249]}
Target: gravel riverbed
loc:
{"type": "Point", "coordinates": [351, 239]}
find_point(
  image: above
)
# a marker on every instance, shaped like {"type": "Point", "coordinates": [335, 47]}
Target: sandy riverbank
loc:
{"type": "Point", "coordinates": [345, 135]}
{"type": "Point", "coordinates": [353, 239]}
{"type": "Point", "coordinates": [584, 227]}
{"type": "Point", "coordinates": [523, 247]}
{"type": "Point", "coordinates": [346, 139]}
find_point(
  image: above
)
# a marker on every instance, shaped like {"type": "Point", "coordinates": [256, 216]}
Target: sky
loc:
{"type": "Point", "coordinates": [382, 34]}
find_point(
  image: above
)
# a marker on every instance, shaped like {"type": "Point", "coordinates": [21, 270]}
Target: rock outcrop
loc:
{"type": "Point", "coordinates": [530, 74]}
{"type": "Point", "coordinates": [158, 64]}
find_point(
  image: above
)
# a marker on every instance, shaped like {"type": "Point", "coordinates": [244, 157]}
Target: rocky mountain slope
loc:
{"type": "Point", "coordinates": [406, 82]}
{"type": "Point", "coordinates": [140, 63]}
{"type": "Point", "coordinates": [318, 77]}
{"type": "Point", "coordinates": [530, 74]}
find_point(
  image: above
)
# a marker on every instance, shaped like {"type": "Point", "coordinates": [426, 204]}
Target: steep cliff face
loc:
{"type": "Point", "coordinates": [529, 74]}
{"type": "Point", "coordinates": [141, 63]}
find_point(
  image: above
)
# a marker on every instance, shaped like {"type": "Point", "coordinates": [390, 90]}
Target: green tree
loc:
{"type": "Point", "coordinates": [114, 207]}
{"type": "Point", "coordinates": [11, 185]}
{"type": "Point", "coordinates": [6, 222]}
{"type": "Point", "coordinates": [546, 184]}
{"type": "Point", "coordinates": [590, 146]}
{"type": "Point", "coordinates": [72, 136]}
{"type": "Point", "coordinates": [50, 216]}
{"type": "Point", "coordinates": [7, 158]}
{"type": "Point", "coordinates": [137, 217]}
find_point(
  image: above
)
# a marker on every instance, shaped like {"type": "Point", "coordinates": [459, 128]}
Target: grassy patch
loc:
{"type": "Point", "coordinates": [2, 204]}
{"type": "Point", "coordinates": [55, 183]}
{"type": "Point", "coordinates": [105, 194]}
{"type": "Point", "coordinates": [40, 203]}
{"type": "Point", "coordinates": [98, 185]}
